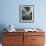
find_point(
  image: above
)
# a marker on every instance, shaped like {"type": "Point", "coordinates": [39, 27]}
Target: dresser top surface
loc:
{"type": "Point", "coordinates": [22, 30]}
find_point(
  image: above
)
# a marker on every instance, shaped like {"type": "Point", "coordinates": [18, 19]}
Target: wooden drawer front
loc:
{"type": "Point", "coordinates": [13, 33]}
{"type": "Point", "coordinates": [37, 45]}
{"type": "Point", "coordinates": [33, 33]}
{"type": "Point", "coordinates": [27, 41]}
{"type": "Point", "coordinates": [33, 40]}
{"type": "Point", "coordinates": [20, 44]}
{"type": "Point", "coordinates": [6, 39]}
{"type": "Point", "coordinates": [17, 40]}
{"type": "Point", "coordinates": [37, 39]}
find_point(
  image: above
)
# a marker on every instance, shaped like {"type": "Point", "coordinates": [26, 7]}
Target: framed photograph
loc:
{"type": "Point", "coordinates": [26, 13]}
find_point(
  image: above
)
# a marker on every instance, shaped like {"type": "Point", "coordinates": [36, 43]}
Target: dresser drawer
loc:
{"type": "Point", "coordinates": [12, 39]}
{"type": "Point", "coordinates": [13, 33]}
{"type": "Point", "coordinates": [34, 33]}
{"type": "Point", "coordinates": [37, 44]}
{"type": "Point", "coordinates": [13, 44]}
{"type": "Point", "coordinates": [37, 39]}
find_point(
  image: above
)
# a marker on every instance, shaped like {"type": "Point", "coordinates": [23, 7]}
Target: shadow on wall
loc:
{"type": "Point", "coordinates": [2, 26]}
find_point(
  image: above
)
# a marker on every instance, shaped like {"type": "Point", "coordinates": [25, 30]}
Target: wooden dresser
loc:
{"type": "Point", "coordinates": [23, 39]}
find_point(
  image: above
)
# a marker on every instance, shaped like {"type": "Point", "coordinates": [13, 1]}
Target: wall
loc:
{"type": "Point", "coordinates": [9, 13]}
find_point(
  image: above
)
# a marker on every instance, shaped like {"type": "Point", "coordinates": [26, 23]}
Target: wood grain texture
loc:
{"type": "Point", "coordinates": [23, 39]}
{"type": "Point", "coordinates": [34, 39]}
{"type": "Point", "coordinates": [13, 39]}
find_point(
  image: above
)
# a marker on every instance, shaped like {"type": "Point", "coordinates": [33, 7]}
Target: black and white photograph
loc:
{"type": "Point", "coordinates": [26, 13]}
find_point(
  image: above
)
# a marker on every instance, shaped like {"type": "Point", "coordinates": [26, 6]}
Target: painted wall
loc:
{"type": "Point", "coordinates": [9, 13]}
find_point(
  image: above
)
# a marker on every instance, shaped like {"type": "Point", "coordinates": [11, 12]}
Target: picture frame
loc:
{"type": "Point", "coordinates": [26, 13]}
